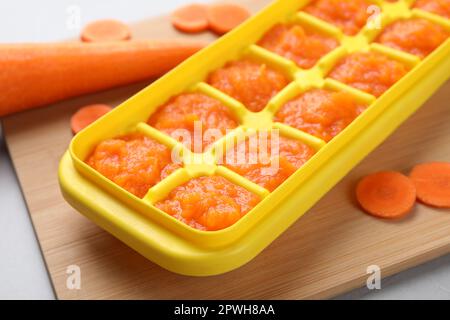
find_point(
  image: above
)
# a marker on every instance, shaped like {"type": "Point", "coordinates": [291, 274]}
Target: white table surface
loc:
{"type": "Point", "coordinates": [23, 274]}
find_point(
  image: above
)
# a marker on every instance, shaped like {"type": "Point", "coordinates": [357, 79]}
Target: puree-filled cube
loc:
{"type": "Point", "coordinates": [348, 15]}
{"type": "Point", "coordinates": [134, 162]}
{"type": "Point", "coordinates": [439, 7]}
{"type": "Point", "coordinates": [249, 82]}
{"type": "Point", "coordinates": [371, 72]}
{"type": "Point", "coordinates": [267, 160]}
{"type": "Point", "coordinates": [296, 43]}
{"type": "Point", "coordinates": [416, 36]}
{"type": "Point", "coordinates": [319, 112]}
{"type": "Point", "coordinates": [194, 116]}
{"type": "Point", "coordinates": [208, 203]}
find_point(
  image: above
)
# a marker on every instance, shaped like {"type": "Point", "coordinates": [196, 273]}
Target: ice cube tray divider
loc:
{"type": "Point", "coordinates": [132, 116]}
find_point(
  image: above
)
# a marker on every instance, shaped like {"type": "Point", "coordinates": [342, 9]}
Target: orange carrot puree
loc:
{"type": "Point", "coordinates": [208, 203]}
{"type": "Point", "coordinates": [319, 112]}
{"type": "Point", "coordinates": [368, 71]}
{"type": "Point", "coordinates": [259, 166]}
{"type": "Point", "coordinates": [348, 15]}
{"type": "Point", "coordinates": [182, 111]}
{"type": "Point", "coordinates": [439, 7]}
{"type": "Point", "coordinates": [134, 162]}
{"type": "Point", "coordinates": [295, 43]}
{"type": "Point", "coordinates": [416, 36]}
{"type": "Point", "coordinates": [249, 82]}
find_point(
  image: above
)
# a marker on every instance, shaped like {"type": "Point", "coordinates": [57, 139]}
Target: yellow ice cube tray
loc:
{"type": "Point", "coordinates": [182, 249]}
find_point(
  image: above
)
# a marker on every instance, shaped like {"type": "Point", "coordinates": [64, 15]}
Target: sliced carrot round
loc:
{"type": "Point", "coordinates": [386, 194]}
{"type": "Point", "coordinates": [191, 18]}
{"type": "Point", "coordinates": [105, 30]}
{"type": "Point", "coordinates": [432, 181]}
{"type": "Point", "coordinates": [224, 17]}
{"type": "Point", "coordinates": [87, 115]}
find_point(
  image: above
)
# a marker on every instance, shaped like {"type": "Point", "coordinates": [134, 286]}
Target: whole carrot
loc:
{"type": "Point", "coordinates": [33, 75]}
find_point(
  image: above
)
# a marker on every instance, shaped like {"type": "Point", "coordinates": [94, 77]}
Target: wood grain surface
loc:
{"type": "Point", "coordinates": [325, 253]}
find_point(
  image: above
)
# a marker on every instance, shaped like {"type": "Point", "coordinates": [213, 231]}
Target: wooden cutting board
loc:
{"type": "Point", "coordinates": [325, 253]}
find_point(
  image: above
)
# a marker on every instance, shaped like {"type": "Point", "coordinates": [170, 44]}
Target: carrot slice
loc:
{"type": "Point", "coordinates": [34, 75]}
{"type": "Point", "coordinates": [191, 18]}
{"type": "Point", "coordinates": [386, 194]}
{"type": "Point", "coordinates": [105, 30]}
{"type": "Point", "coordinates": [432, 182]}
{"type": "Point", "coordinates": [87, 115]}
{"type": "Point", "coordinates": [225, 17]}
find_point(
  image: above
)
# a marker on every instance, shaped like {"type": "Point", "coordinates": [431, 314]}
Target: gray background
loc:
{"type": "Point", "coordinates": [22, 269]}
